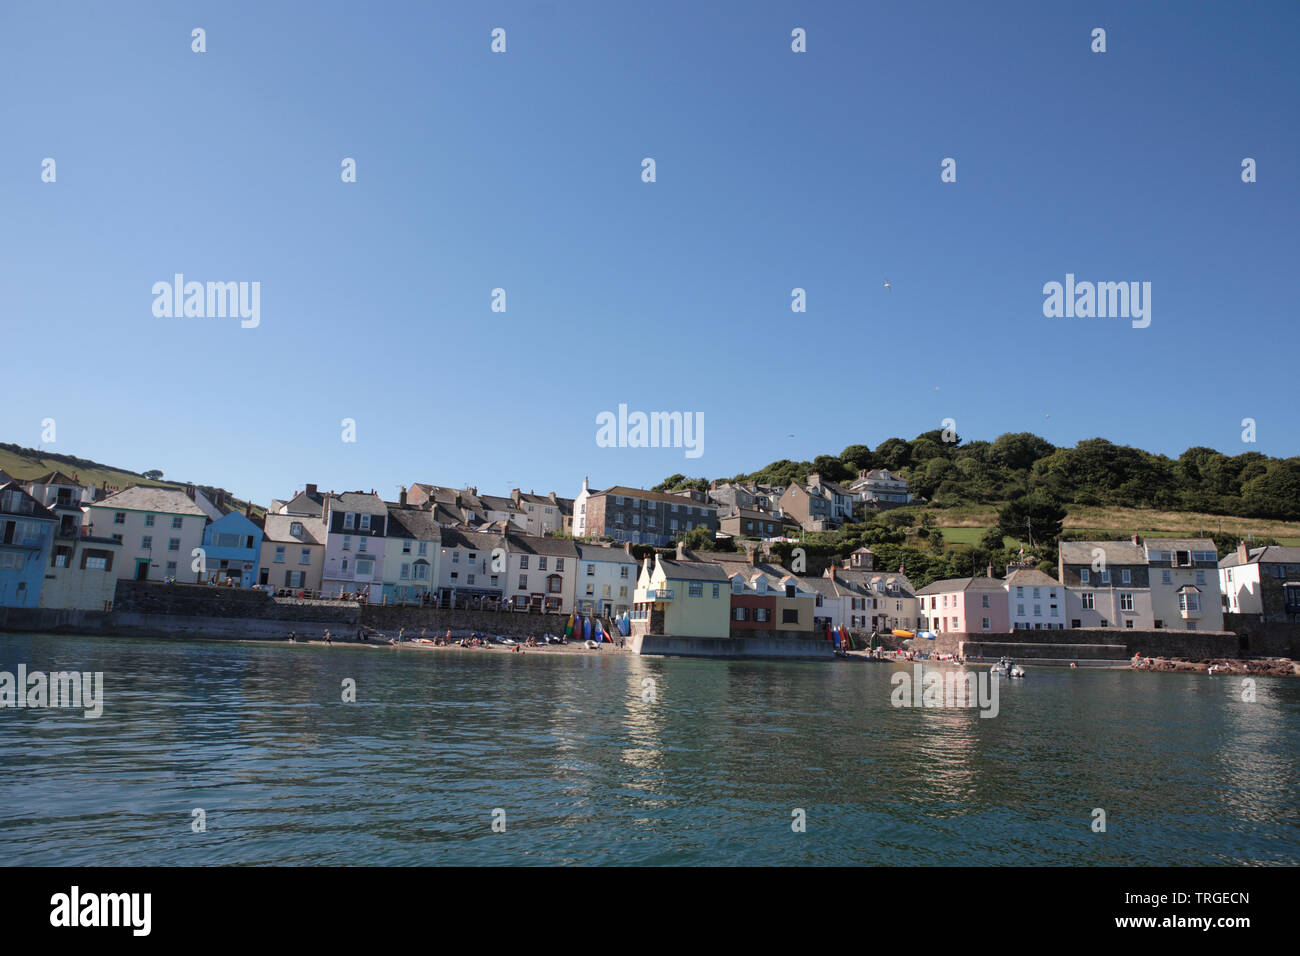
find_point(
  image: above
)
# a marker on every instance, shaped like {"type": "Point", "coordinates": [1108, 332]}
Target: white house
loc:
{"type": "Point", "coordinates": [159, 529]}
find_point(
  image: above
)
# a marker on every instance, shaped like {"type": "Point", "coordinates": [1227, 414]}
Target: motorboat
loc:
{"type": "Point", "coordinates": [1016, 671]}
{"type": "Point", "coordinates": [1002, 668]}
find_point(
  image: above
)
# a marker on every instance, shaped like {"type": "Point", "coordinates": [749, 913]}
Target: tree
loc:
{"type": "Point", "coordinates": [859, 457]}
{"type": "Point", "coordinates": [1037, 514]}
{"type": "Point", "coordinates": [992, 540]}
{"type": "Point", "coordinates": [1019, 450]}
{"type": "Point", "coordinates": [154, 475]}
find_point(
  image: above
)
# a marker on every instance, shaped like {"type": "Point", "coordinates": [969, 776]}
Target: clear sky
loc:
{"type": "Point", "coordinates": [523, 171]}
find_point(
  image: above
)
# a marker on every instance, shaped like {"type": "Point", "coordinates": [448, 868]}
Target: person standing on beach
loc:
{"type": "Point", "coordinates": [327, 638]}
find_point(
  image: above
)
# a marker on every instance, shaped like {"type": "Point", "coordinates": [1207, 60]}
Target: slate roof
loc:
{"type": "Point", "coordinates": [948, 585]}
{"type": "Point", "coordinates": [1267, 554]}
{"type": "Point", "coordinates": [169, 501]}
{"type": "Point", "coordinates": [276, 528]}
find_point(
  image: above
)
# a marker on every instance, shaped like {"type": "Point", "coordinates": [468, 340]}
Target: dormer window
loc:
{"type": "Point", "coordinates": [295, 529]}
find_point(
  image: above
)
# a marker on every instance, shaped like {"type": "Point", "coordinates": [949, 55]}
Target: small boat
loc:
{"type": "Point", "coordinates": [1016, 671]}
{"type": "Point", "coordinates": [592, 645]}
{"type": "Point", "coordinates": [1002, 668]}
{"type": "Point", "coordinates": [899, 632]}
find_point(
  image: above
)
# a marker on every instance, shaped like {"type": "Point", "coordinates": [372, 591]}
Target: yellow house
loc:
{"type": "Point", "coordinates": [682, 599]}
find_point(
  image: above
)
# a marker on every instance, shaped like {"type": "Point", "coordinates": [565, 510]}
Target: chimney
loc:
{"type": "Point", "coordinates": [311, 490]}
{"type": "Point", "coordinates": [750, 548]}
{"type": "Point", "coordinates": [248, 509]}
{"type": "Point", "coordinates": [830, 571]}
{"type": "Point", "coordinates": [1243, 552]}
{"type": "Point", "coordinates": [627, 546]}
{"type": "Point", "coordinates": [189, 492]}
{"type": "Point", "coordinates": [681, 551]}
{"type": "Point", "coordinates": [402, 497]}
{"type": "Point", "coordinates": [988, 573]}
{"type": "Point", "coordinates": [1136, 539]}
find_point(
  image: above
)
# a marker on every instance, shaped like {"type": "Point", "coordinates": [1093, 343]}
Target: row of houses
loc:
{"type": "Point", "coordinates": [734, 509]}
{"type": "Point", "coordinates": [65, 544]}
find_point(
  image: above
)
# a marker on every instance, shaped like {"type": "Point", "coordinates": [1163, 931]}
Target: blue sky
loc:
{"type": "Point", "coordinates": [522, 171]}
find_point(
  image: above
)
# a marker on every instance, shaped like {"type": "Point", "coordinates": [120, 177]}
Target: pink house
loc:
{"type": "Point", "coordinates": [965, 606]}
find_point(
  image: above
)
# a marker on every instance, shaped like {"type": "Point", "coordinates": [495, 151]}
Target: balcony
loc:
{"type": "Point", "coordinates": [659, 595]}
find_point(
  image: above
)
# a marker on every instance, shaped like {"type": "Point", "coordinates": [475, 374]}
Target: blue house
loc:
{"type": "Point", "coordinates": [26, 540]}
{"type": "Point", "coordinates": [232, 546]}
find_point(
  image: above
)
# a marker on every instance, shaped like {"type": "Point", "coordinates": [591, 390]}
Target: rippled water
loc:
{"type": "Point", "coordinates": [587, 772]}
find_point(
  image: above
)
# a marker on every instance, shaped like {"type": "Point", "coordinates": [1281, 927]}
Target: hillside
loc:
{"type": "Point", "coordinates": [29, 463]}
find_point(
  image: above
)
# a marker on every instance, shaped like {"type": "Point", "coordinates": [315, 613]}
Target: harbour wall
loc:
{"type": "Point", "coordinates": [775, 645]}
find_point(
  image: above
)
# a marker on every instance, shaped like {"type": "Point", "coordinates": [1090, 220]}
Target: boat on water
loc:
{"type": "Point", "coordinates": [1016, 671]}
{"type": "Point", "coordinates": [1002, 667]}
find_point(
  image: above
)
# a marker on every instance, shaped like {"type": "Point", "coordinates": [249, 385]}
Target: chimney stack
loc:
{"type": "Point", "coordinates": [189, 492]}
{"type": "Point", "coordinates": [1136, 539]}
{"type": "Point", "coordinates": [1243, 552]}
{"type": "Point", "coordinates": [681, 551]}
{"type": "Point", "coordinates": [988, 573]}
{"type": "Point", "coordinates": [402, 497]}
{"type": "Point", "coordinates": [311, 489]}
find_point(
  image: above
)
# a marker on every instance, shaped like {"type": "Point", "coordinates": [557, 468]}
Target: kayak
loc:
{"type": "Point", "coordinates": [898, 632]}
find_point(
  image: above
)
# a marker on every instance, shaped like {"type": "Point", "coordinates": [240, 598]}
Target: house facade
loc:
{"type": "Point", "coordinates": [976, 605]}
{"type": "Point", "coordinates": [1035, 601]}
{"type": "Point", "coordinates": [1262, 582]}
{"type": "Point", "coordinates": [293, 551]}
{"type": "Point", "coordinates": [1184, 575]}
{"type": "Point", "coordinates": [541, 573]}
{"type": "Point", "coordinates": [412, 549]}
{"type": "Point", "coordinates": [681, 599]}
{"type": "Point", "coordinates": [606, 580]}
{"type": "Point", "coordinates": [1107, 584]}
{"type": "Point", "coordinates": [160, 530]}
{"type": "Point", "coordinates": [26, 542]}
{"type": "Point", "coordinates": [232, 550]}
{"type": "Point", "coordinates": [356, 528]}
{"type": "Point", "coordinates": [880, 486]}
{"type": "Point", "coordinates": [636, 516]}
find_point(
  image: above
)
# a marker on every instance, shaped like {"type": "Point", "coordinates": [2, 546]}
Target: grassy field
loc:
{"type": "Point", "coordinates": [965, 526]}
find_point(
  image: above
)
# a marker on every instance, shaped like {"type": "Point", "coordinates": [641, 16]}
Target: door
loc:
{"type": "Point", "coordinates": [142, 569]}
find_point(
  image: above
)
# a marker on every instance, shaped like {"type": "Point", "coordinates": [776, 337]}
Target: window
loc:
{"type": "Point", "coordinates": [349, 521]}
{"type": "Point", "coordinates": [696, 589]}
{"type": "Point", "coordinates": [1038, 610]}
{"type": "Point", "coordinates": [148, 521]}
{"type": "Point", "coordinates": [365, 566]}
{"type": "Point", "coordinates": [304, 556]}
{"type": "Point", "coordinates": [146, 542]}
{"type": "Point", "coordinates": [1020, 610]}
{"type": "Point", "coordinates": [1167, 577]}
{"type": "Point", "coordinates": [405, 573]}
{"type": "Point", "coordinates": [789, 615]}
{"type": "Point", "coordinates": [523, 582]}
{"type": "Point", "coordinates": [559, 564]}
{"type": "Point", "coordinates": [96, 563]}
{"type": "Point", "coordinates": [1126, 576]}
{"type": "Point", "coordinates": [406, 547]}
{"type": "Point", "coordinates": [279, 554]}
{"type": "Point", "coordinates": [176, 523]}
{"type": "Point", "coordinates": [1200, 577]}
{"type": "Point", "coordinates": [740, 612]}
{"type": "Point", "coordinates": [523, 562]}
{"type": "Point", "coordinates": [1189, 601]}
{"type": "Point", "coordinates": [1085, 576]}
{"type": "Point", "coordinates": [591, 570]}
{"type": "Point", "coordinates": [363, 544]}
{"type": "Point", "coordinates": [986, 623]}
{"type": "Point", "coordinates": [1086, 598]}
{"type": "Point", "coordinates": [365, 522]}
{"type": "Point", "coordinates": [716, 591]}
{"type": "Point", "coordinates": [985, 603]}
{"type": "Point", "coordinates": [295, 529]}
{"type": "Point", "coordinates": [622, 572]}
{"type": "Point", "coordinates": [119, 517]}
{"type": "Point", "coordinates": [423, 549]}
{"type": "Point", "coordinates": [541, 563]}
{"type": "Point", "coordinates": [1126, 602]}
{"type": "Point", "coordinates": [1105, 577]}
{"type": "Point", "coordinates": [347, 542]}
{"type": "Point", "coordinates": [171, 567]}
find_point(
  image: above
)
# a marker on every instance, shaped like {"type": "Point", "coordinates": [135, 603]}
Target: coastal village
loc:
{"type": "Point", "coordinates": [614, 555]}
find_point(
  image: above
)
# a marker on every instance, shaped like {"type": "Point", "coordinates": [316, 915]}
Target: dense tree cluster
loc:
{"type": "Point", "coordinates": [947, 473]}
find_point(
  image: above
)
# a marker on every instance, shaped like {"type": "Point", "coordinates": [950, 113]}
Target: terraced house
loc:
{"type": "Point", "coordinates": [160, 530]}
{"type": "Point", "coordinates": [606, 580]}
{"type": "Point", "coordinates": [414, 544]}
{"type": "Point", "coordinates": [1107, 584]}
{"type": "Point", "coordinates": [356, 528]}
{"type": "Point", "coordinates": [293, 551]}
